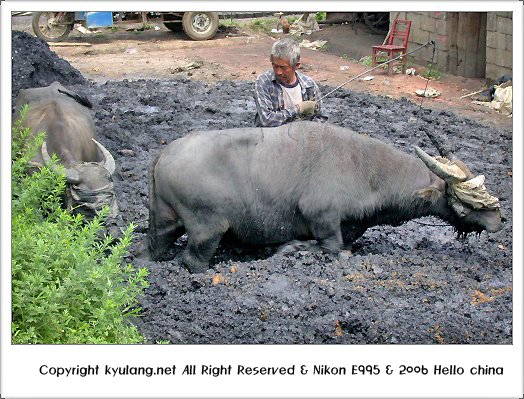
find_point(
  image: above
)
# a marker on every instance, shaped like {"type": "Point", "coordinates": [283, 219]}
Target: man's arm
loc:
{"type": "Point", "coordinates": [268, 111]}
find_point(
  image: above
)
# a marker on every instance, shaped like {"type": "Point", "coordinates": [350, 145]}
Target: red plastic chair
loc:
{"type": "Point", "coordinates": [399, 32]}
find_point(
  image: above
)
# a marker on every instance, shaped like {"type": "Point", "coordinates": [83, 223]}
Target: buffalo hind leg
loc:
{"type": "Point", "coordinates": [164, 228]}
{"type": "Point", "coordinates": [329, 239]}
{"type": "Point", "coordinates": [200, 249]}
{"type": "Point", "coordinates": [328, 235]}
{"type": "Point", "coordinates": [162, 239]}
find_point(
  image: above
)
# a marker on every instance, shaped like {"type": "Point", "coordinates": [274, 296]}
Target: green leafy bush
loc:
{"type": "Point", "coordinates": [68, 286]}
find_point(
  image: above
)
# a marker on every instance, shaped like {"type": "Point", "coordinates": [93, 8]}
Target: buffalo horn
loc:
{"type": "Point", "coordinates": [45, 154]}
{"type": "Point", "coordinates": [451, 174]}
{"type": "Point", "coordinates": [71, 174]}
{"type": "Point", "coordinates": [109, 161]}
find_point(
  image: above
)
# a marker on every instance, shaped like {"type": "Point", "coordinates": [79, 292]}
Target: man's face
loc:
{"type": "Point", "coordinates": [284, 72]}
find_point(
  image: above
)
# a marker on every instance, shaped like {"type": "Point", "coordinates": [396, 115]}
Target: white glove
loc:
{"type": "Point", "coordinates": [307, 108]}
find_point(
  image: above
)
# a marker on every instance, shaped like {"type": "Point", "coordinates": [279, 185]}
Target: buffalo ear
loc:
{"type": "Point", "coordinates": [72, 176]}
{"type": "Point", "coordinates": [430, 194]}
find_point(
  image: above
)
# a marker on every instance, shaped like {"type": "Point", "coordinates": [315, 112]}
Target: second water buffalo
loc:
{"type": "Point", "coordinates": [65, 117]}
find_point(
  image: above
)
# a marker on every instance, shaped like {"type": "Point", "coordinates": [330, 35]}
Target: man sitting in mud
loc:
{"type": "Point", "coordinates": [283, 94]}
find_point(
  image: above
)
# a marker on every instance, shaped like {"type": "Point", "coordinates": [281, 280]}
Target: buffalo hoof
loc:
{"type": "Point", "coordinates": [344, 255]}
{"type": "Point", "coordinates": [194, 265]}
{"type": "Point", "coordinates": [196, 269]}
{"type": "Point", "coordinates": [295, 246]}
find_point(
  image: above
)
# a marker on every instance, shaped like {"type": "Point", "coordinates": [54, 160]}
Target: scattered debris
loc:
{"type": "Point", "coordinates": [83, 30]}
{"type": "Point", "coordinates": [366, 78]}
{"type": "Point", "coordinates": [338, 329]}
{"type": "Point", "coordinates": [313, 45]}
{"type": "Point", "coordinates": [475, 92]}
{"type": "Point", "coordinates": [217, 279]}
{"type": "Point", "coordinates": [343, 67]}
{"type": "Point", "coordinates": [231, 31]}
{"type": "Point", "coordinates": [127, 152]}
{"type": "Point", "coordinates": [187, 67]}
{"type": "Point", "coordinates": [502, 79]}
{"type": "Point", "coordinates": [411, 71]}
{"type": "Point", "coordinates": [502, 99]}
{"type": "Point", "coordinates": [306, 24]}
{"type": "Point", "coordinates": [130, 51]}
{"type": "Point", "coordinates": [478, 297]}
{"type": "Point", "coordinates": [430, 93]}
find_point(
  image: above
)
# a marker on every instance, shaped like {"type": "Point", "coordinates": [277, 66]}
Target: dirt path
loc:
{"type": "Point", "coordinates": [243, 54]}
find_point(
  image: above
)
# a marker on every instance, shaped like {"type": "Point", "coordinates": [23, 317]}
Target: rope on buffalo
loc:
{"type": "Point", "coordinates": [89, 202]}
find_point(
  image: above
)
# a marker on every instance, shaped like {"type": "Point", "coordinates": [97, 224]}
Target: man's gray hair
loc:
{"type": "Point", "coordinates": [286, 49]}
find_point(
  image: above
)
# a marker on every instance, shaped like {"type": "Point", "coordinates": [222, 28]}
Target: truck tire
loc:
{"type": "Point", "coordinates": [52, 26]}
{"type": "Point", "coordinates": [199, 25]}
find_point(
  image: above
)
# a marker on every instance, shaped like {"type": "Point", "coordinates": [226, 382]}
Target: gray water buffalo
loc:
{"type": "Point", "coordinates": [70, 134]}
{"type": "Point", "coordinates": [303, 180]}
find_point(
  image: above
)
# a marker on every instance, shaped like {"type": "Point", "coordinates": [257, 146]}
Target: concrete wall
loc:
{"type": "Point", "coordinates": [426, 26]}
{"type": "Point", "coordinates": [499, 45]}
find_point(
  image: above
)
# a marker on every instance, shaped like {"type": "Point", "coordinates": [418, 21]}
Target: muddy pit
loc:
{"type": "Point", "coordinates": [413, 284]}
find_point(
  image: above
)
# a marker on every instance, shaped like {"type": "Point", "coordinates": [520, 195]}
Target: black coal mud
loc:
{"type": "Point", "coordinates": [34, 65]}
{"type": "Point", "coordinates": [412, 284]}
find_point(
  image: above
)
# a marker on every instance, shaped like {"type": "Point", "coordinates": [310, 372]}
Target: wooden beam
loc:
{"type": "Point", "coordinates": [60, 44]}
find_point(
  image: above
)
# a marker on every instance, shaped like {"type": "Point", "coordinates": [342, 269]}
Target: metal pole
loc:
{"type": "Point", "coordinates": [372, 69]}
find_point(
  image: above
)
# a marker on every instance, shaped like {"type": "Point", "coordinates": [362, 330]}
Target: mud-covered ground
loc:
{"type": "Point", "coordinates": [413, 284]}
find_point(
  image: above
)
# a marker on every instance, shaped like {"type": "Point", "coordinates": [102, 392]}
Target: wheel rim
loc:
{"type": "Point", "coordinates": [201, 22]}
{"type": "Point", "coordinates": [51, 25]}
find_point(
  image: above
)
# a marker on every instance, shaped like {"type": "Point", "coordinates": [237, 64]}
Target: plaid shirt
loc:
{"type": "Point", "coordinates": [269, 99]}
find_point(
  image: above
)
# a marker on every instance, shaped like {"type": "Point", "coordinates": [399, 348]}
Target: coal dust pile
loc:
{"type": "Point", "coordinates": [411, 284]}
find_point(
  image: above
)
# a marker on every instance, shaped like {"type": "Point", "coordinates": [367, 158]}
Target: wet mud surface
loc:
{"type": "Point", "coordinates": [412, 284]}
